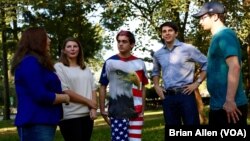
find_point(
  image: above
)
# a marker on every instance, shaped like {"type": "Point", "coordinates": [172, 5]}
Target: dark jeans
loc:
{"type": "Point", "coordinates": [37, 132]}
{"type": "Point", "coordinates": [219, 117]}
{"type": "Point", "coordinates": [180, 109]}
{"type": "Point", "coordinates": [77, 129]}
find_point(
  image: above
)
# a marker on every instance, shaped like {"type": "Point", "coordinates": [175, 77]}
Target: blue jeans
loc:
{"type": "Point", "coordinates": [180, 109]}
{"type": "Point", "coordinates": [37, 132]}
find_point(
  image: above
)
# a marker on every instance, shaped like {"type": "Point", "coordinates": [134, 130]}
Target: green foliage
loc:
{"type": "Point", "coordinates": [118, 13]}
{"type": "Point", "coordinates": [114, 16]}
{"type": "Point", "coordinates": [61, 19]}
{"type": "Point", "coordinates": [12, 95]}
{"type": "Point", "coordinates": [152, 13]}
{"type": "Point", "coordinates": [64, 19]}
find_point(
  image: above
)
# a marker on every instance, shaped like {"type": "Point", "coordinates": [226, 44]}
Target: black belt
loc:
{"type": "Point", "coordinates": [173, 91]}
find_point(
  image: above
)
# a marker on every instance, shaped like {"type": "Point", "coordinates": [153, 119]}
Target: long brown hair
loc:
{"type": "Point", "coordinates": [33, 42]}
{"type": "Point", "coordinates": [80, 59]}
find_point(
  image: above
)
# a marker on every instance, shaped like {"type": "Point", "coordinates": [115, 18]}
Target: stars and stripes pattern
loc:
{"type": "Point", "coordinates": [136, 124]}
{"type": "Point", "coordinates": [119, 129]}
{"type": "Point", "coordinates": [135, 129]}
{"type": "Point", "coordinates": [123, 129]}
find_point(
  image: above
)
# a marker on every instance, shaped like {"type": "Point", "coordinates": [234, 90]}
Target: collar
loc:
{"type": "Point", "coordinates": [176, 44]}
{"type": "Point", "coordinates": [220, 29]}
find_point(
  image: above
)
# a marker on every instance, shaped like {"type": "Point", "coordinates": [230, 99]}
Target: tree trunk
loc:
{"type": "Point", "coordinates": [6, 112]}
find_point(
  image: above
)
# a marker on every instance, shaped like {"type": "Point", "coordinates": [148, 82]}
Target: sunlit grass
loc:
{"type": "Point", "coordinates": [153, 129]}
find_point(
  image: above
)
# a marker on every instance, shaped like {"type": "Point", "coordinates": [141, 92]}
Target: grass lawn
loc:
{"type": "Point", "coordinates": [153, 129]}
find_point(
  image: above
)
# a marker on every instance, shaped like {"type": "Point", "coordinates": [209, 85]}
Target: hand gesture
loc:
{"type": "Point", "coordinates": [105, 116]}
{"type": "Point", "coordinates": [93, 114]}
{"type": "Point", "coordinates": [232, 111]}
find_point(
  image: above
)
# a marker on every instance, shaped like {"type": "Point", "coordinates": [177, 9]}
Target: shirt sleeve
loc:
{"type": "Point", "coordinates": [32, 73]}
{"type": "Point", "coordinates": [62, 76]}
{"type": "Point", "coordinates": [104, 78]}
{"type": "Point", "coordinates": [156, 67]}
{"type": "Point", "coordinates": [229, 45]}
{"type": "Point", "coordinates": [145, 76]}
{"type": "Point", "coordinates": [93, 81]}
{"type": "Point", "coordinates": [199, 57]}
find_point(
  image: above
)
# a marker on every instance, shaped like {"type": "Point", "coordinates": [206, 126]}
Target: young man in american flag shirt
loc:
{"type": "Point", "coordinates": [126, 76]}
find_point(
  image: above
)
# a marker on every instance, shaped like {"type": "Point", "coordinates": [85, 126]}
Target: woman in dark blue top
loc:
{"type": "Point", "coordinates": [38, 88]}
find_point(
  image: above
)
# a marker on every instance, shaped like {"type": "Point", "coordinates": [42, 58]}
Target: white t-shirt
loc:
{"type": "Point", "coordinates": [80, 81]}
